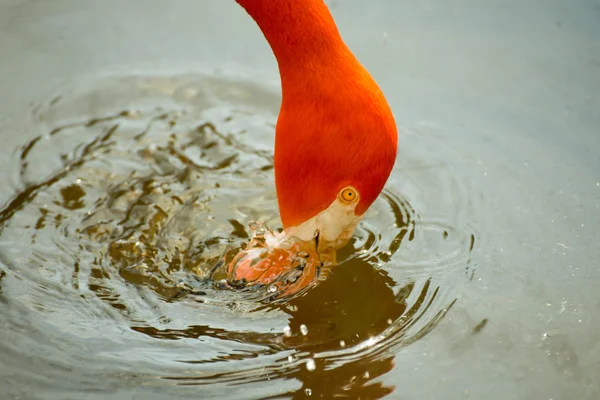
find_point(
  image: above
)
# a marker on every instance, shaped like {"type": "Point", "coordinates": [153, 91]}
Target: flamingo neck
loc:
{"type": "Point", "coordinates": [304, 39]}
{"type": "Point", "coordinates": [335, 127]}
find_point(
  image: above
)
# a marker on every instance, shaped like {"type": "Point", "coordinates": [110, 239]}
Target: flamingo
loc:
{"type": "Point", "coordinates": [335, 139]}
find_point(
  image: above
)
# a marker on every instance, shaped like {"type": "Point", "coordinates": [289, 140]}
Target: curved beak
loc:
{"type": "Point", "coordinates": [291, 260]}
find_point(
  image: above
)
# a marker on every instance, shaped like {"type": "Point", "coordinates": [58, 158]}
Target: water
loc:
{"type": "Point", "coordinates": [473, 275]}
{"type": "Point", "coordinates": [133, 192]}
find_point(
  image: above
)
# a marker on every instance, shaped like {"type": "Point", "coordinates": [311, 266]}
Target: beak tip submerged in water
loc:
{"type": "Point", "coordinates": [272, 258]}
{"type": "Point", "coordinates": [285, 264]}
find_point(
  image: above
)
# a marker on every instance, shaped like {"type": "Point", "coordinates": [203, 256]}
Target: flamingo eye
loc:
{"type": "Point", "coordinates": [348, 195]}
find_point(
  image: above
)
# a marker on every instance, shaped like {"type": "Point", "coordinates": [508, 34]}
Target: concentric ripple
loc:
{"type": "Point", "coordinates": [131, 189]}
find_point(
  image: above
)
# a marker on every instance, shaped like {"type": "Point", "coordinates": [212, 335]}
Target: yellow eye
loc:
{"type": "Point", "coordinates": [348, 195]}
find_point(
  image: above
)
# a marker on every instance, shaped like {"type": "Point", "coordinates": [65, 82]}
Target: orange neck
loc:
{"type": "Point", "coordinates": [303, 36]}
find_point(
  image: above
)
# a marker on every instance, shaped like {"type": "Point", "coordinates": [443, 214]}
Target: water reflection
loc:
{"type": "Point", "coordinates": [342, 335]}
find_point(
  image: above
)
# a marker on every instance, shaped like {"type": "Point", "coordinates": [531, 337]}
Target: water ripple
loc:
{"type": "Point", "coordinates": [132, 190]}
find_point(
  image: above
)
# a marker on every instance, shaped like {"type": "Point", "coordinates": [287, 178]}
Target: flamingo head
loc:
{"type": "Point", "coordinates": [332, 159]}
{"type": "Point", "coordinates": [335, 144]}
{"type": "Point", "coordinates": [335, 148]}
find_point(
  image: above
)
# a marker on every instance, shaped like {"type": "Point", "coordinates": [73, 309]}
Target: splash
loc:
{"type": "Point", "coordinates": [283, 263]}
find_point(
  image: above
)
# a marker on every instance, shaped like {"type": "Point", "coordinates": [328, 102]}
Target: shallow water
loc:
{"type": "Point", "coordinates": [473, 276]}
{"type": "Point", "coordinates": [153, 180]}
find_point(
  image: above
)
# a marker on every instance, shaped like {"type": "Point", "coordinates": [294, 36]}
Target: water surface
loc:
{"type": "Point", "coordinates": [140, 152]}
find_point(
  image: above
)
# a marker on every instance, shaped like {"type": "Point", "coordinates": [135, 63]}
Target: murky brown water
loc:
{"type": "Point", "coordinates": [473, 276]}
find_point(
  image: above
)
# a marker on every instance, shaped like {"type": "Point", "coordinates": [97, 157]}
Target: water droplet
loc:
{"type": "Point", "coordinates": [366, 375]}
{"type": "Point", "coordinates": [308, 392]}
{"type": "Point", "coordinates": [303, 330]}
{"type": "Point", "coordinates": [342, 343]}
{"type": "Point", "coordinates": [287, 331]}
{"type": "Point", "coordinates": [291, 358]}
{"type": "Point", "coordinates": [389, 321]}
{"type": "Point", "coordinates": [310, 364]}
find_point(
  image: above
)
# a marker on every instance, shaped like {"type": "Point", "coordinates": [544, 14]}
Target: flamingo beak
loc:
{"type": "Point", "coordinates": [332, 228]}
{"type": "Point", "coordinates": [292, 259]}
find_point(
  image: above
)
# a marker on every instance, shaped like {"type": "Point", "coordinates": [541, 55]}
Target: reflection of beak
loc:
{"type": "Point", "coordinates": [289, 267]}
